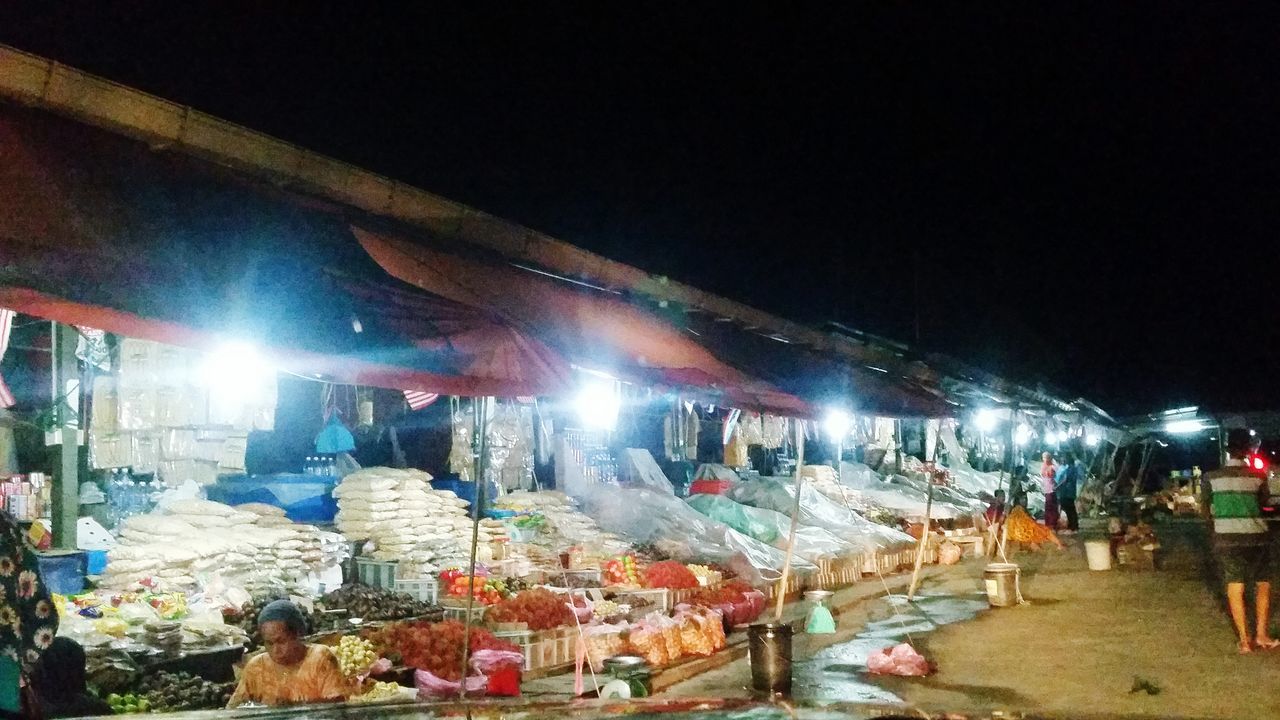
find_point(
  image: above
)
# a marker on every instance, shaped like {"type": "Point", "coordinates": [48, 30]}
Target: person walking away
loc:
{"type": "Point", "coordinates": [1067, 481]}
{"type": "Point", "coordinates": [996, 509]}
{"type": "Point", "coordinates": [1047, 486]}
{"type": "Point", "coordinates": [59, 682]}
{"type": "Point", "coordinates": [1241, 544]}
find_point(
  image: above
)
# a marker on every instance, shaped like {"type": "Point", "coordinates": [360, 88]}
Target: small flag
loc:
{"type": "Point", "coordinates": [418, 399]}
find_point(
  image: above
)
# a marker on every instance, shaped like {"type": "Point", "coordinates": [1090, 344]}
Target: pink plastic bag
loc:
{"type": "Point", "coordinates": [431, 687]}
{"type": "Point", "coordinates": [487, 661]}
{"type": "Point", "coordinates": [898, 660]}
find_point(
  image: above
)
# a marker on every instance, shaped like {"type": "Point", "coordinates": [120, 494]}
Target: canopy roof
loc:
{"type": "Point", "coordinates": [99, 230]}
{"type": "Point", "coordinates": [594, 330]}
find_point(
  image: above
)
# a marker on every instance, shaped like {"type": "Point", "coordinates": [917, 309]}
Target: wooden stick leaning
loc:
{"type": "Point", "coordinates": [795, 521]}
{"type": "Point", "coordinates": [924, 540]}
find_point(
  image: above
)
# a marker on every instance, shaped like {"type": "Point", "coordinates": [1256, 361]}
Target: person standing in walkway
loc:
{"type": "Point", "coordinates": [1047, 471]}
{"type": "Point", "coordinates": [1067, 481]}
{"type": "Point", "coordinates": [1241, 543]}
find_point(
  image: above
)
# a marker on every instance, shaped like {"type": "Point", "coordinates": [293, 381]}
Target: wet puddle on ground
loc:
{"type": "Point", "coordinates": [839, 672]}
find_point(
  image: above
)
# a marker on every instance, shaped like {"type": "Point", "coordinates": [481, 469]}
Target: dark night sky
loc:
{"type": "Point", "coordinates": [1089, 193]}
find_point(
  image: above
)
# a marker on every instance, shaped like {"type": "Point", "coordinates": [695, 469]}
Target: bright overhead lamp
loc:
{"type": "Point", "coordinates": [598, 403]}
{"type": "Point", "coordinates": [1022, 435]}
{"type": "Point", "coordinates": [985, 419]}
{"type": "Point", "coordinates": [837, 423]}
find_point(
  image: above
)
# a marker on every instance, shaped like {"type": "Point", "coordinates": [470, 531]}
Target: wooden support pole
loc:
{"type": "Point", "coordinates": [924, 542]}
{"type": "Point", "coordinates": [795, 521]}
{"type": "Point", "coordinates": [66, 478]}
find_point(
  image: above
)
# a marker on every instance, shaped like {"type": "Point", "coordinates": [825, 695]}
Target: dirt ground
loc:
{"type": "Point", "coordinates": [1077, 648]}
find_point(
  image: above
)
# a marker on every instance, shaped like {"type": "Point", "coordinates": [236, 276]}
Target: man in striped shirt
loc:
{"type": "Point", "coordinates": [1242, 544]}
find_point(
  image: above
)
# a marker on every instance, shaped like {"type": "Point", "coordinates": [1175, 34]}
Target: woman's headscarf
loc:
{"type": "Point", "coordinates": [285, 612]}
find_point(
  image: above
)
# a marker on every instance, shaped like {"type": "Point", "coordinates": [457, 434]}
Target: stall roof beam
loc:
{"type": "Point", "coordinates": [34, 80]}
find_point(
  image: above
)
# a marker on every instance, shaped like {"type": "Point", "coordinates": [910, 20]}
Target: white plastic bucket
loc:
{"type": "Point", "coordinates": [1001, 581]}
{"type": "Point", "coordinates": [1098, 553]}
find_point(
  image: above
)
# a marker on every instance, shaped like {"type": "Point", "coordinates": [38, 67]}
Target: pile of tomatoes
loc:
{"type": "Point", "coordinates": [670, 574]}
{"type": "Point", "coordinates": [539, 608]}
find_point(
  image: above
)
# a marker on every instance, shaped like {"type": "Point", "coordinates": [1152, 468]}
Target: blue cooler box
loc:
{"type": "Point", "coordinates": [304, 498]}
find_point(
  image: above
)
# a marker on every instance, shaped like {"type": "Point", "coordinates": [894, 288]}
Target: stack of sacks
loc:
{"type": "Point", "coordinates": [267, 547]}
{"type": "Point", "coordinates": [399, 539]}
{"type": "Point", "coordinates": [405, 519]}
{"type": "Point", "coordinates": [149, 545]}
{"type": "Point", "coordinates": [176, 551]}
{"type": "Point", "coordinates": [367, 502]}
{"type": "Point", "coordinates": [315, 548]}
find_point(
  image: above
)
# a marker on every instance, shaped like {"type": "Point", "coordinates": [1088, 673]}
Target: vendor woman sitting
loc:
{"type": "Point", "coordinates": [290, 672]}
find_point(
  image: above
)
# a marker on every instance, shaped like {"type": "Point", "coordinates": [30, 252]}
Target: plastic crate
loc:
{"type": "Point", "coordinates": [528, 643]}
{"type": "Point", "coordinates": [376, 573]}
{"type": "Point", "coordinates": [425, 589]}
{"type": "Point", "coordinates": [659, 598]}
{"type": "Point", "coordinates": [459, 612]}
{"type": "Point", "coordinates": [304, 498]}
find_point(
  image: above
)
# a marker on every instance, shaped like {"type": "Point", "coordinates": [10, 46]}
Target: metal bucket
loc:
{"type": "Point", "coordinates": [770, 652]}
{"type": "Point", "coordinates": [1001, 580]}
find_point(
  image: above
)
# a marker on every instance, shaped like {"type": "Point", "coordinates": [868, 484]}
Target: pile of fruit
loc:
{"type": "Point", "coordinates": [605, 609]}
{"type": "Point", "coordinates": [355, 655]}
{"type": "Point", "coordinates": [622, 570]}
{"type": "Point", "coordinates": [171, 692]}
{"type": "Point", "coordinates": [539, 608]}
{"type": "Point", "coordinates": [128, 704]}
{"type": "Point", "coordinates": [372, 603]}
{"type": "Point", "coordinates": [380, 691]}
{"type": "Point", "coordinates": [434, 647]}
{"type": "Point", "coordinates": [670, 574]}
{"type": "Point", "coordinates": [485, 590]}
{"type": "Point", "coordinates": [739, 602]}
{"type": "Point", "coordinates": [701, 572]}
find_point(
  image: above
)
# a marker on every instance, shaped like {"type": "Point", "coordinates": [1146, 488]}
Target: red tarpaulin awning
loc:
{"type": "Point", "coordinates": [100, 230]}
{"type": "Point", "coordinates": [592, 329]}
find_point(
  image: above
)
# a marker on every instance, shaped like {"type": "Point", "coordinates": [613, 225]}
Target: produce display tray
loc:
{"type": "Point", "coordinates": [684, 594]}
{"type": "Point", "coordinates": [660, 598]}
{"type": "Point", "coordinates": [212, 664]}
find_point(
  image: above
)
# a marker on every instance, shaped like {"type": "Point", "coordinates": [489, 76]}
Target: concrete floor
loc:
{"type": "Point", "coordinates": [1076, 649]}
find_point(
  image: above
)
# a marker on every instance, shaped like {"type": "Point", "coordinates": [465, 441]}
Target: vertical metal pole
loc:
{"type": "Point", "coordinates": [481, 417]}
{"type": "Point", "coordinates": [66, 480]}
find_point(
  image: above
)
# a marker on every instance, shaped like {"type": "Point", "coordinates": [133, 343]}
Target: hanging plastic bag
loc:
{"type": "Point", "coordinates": [335, 438]}
{"type": "Point", "coordinates": [431, 687]}
{"type": "Point", "coordinates": [503, 668]}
